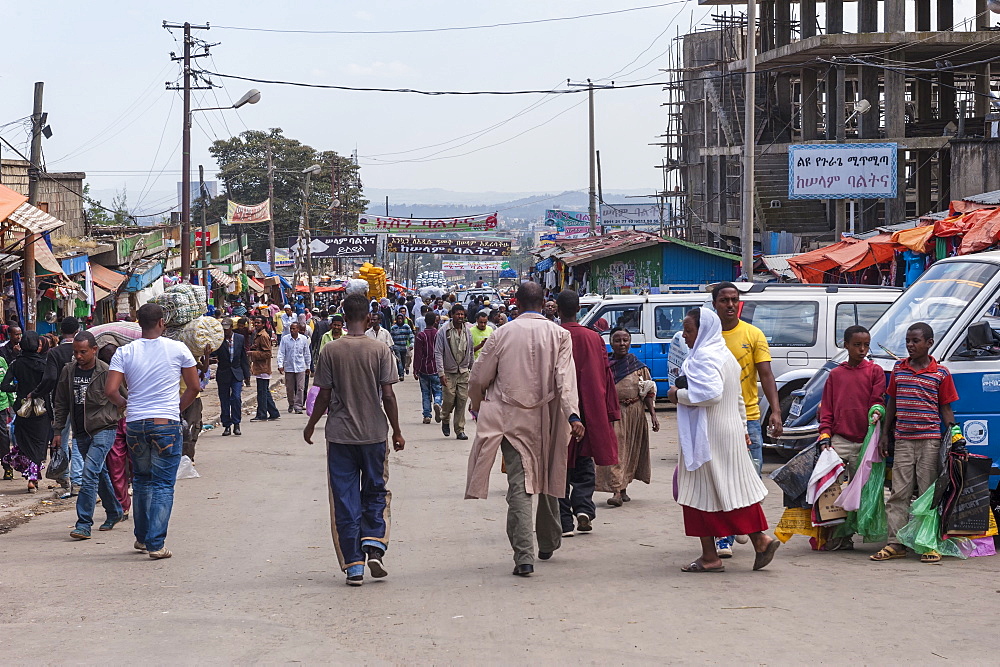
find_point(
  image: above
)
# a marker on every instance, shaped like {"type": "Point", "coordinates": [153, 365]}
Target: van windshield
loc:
{"type": "Point", "coordinates": [938, 299]}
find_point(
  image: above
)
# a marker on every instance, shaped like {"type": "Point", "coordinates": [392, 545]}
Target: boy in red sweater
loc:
{"type": "Point", "coordinates": [851, 390]}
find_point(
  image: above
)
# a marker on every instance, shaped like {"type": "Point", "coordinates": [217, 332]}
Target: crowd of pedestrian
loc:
{"type": "Point", "coordinates": [568, 419]}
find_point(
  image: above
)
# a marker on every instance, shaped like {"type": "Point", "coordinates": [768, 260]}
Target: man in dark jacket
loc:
{"type": "Point", "coordinates": [55, 361]}
{"type": "Point", "coordinates": [79, 399]}
{"type": "Point", "coordinates": [232, 373]}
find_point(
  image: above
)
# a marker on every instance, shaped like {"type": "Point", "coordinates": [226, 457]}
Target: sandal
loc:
{"type": "Point", "coordinates": [931, 557]}
{"type": "Point", "coordinates": [763, 558]}
{"type": "Point", "coordinates": [888, 552]}
{"type": "Point", "coordinates": [625, 497]}
{"type": "Point", "coordinates": [697, 567]}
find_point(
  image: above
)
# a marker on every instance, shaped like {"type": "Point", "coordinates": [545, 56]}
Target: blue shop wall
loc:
{"type": "Point", "coordinates": [684, 265]}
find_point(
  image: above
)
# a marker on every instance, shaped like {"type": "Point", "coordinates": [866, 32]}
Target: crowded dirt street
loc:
{"type": "Point", "coordinates": [254, 577]}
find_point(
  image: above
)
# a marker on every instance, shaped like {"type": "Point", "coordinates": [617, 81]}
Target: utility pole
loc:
{"type": "Point", "coordinates": [600, 189]}
{"type": "Point", "coordinates": [749, 139]}
{"type": "Point", "coordinates": [34, 175]}
{"type": "Point", "coordinates": [186, 142]}
{"type": "Point", "coordinates": [204, 230]}
{"type": "Point", "coordinates": [270, 202]}
{"type": "Point", "coordinates": [593, 154]}
{"type": "Point", "coordinates": [309, 171]}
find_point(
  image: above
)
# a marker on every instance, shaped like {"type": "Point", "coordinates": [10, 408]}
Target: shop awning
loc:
{"type": "Point", "coordinates": [255, 285]}
{"type": "Point", "coordinates": [35, 220]}
{"type": "Point", "coordinates": [983, 234]}
{"type": "Point", "coordinates": [106, 278]}
{"type": "Point", "coordinates": [916, 239]}
{"type": "Point", "coordinates": [844, 256]}
{"type": "Point", "coordinates": [10, 200]}
{"type": "Point", "coordinates": [218, 276]}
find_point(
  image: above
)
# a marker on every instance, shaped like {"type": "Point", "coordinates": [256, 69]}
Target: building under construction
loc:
{"type": "Point", "coordinates": [929, 90]}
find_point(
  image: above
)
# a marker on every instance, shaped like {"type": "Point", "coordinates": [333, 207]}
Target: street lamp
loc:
{"type": "Point", "coordinates": [304, 228]}
{"type": "Point", "coordinates": [252, 96]}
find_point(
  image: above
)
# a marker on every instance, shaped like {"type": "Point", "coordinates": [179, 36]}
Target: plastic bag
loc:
{"type": "Point", "coordinates": [186, 469]}
{"type": "Point", "coordinates": [922, 532]}
{"type": "Point", "coordinates": [58, 465]}
{"type": "Point", "coordinates": [311, 399]}
{"type": "Point", "coordinates": [869, 520]}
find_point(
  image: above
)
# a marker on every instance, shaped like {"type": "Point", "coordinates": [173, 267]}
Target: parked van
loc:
{"type": "Point", "coordinates": [960, 298]}
{"type": "Point", "coordinates": [804, 325]}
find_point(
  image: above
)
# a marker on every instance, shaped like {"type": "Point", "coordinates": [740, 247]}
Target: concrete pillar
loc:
{"type": "Point", "coordinates": [946, 96]}
{"type": "Point", "coordinates": [867, 15]}
{"type": "Point", "coordinates": [983, 17]}
{"type": "Point", "coordinates": [922, 15]}
{"type": "Point", "coordinates": [809, 104]}
{"type": "Point", "coordinates": [895, 83]}
{"type": "Point", "coordinates": [924, 201]}
{"type": "Point", "coordinates": [766, 23]}
{"type": "Point", "coordinates": [894, 18]}
{"type": "Point", "coordinates": [807, 18]}
{"type": "Point", "coordinates": [834, 17]}
{"type": "Point", "coordinates": [945, 14]}
{"type": "Point", "coordinates": [723, 187]}
{"type": "Point", "coordinates": [944, 178]}
{"type": "Point", "coordinates": [868, 124]}
{"type": "Point", "coordinates": [982, 88]}
{"type": "Point", "coordinates": [782, 22]}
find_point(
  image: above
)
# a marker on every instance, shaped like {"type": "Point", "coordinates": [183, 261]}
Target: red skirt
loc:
{"type": "Point", "coordinates": [745, 520]}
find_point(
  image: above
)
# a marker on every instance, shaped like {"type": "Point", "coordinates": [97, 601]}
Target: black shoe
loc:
{"type": "Point", "coordinates": [545, 555]}
{"type": "Point", "coordinates": [446, 428]}
{"type": "Point", "coordinates": [274, 418]}
{"type": "Point", "coordinates": [227, 431]}
{"type": "Point", "coordinates": [298, 412]}
{"type": "Point", "coordinates": [461, 436]}
{"type": "Point", "coordinates": [236, 429]}
{"type": "Point", "coordinates": [258, 419]}
{"type": "Point", "coordinates": [375, 556]}
{"type": "Point", "coordinates": [583, 523]}
{"type": "Point", "coordinates": [523, 570]}
{"type": "Point", "coordinates": [8, 474]}
{"type": "Point", "coordinates": [356, 580]}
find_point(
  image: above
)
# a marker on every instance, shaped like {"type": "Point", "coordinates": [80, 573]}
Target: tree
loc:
{"type": "Point", "coordinates": [243, 171]}
{"type": "Point", "coordinates": [116, 215]}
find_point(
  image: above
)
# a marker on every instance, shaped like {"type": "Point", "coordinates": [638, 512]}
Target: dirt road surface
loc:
{"type": "Point", "coordinates": [254, 578]}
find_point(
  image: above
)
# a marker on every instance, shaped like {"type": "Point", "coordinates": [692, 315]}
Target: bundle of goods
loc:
{"type": "Point", "coordinates": [182, 303]}
{"type": "Point", "coordinates": [375, 275]}
{"type": "Point", "coordinates": [431, 293]}
{"type": "Point", "coordinates": [116, 333]}
{"type": "Point", "coordinates": [357, 286]}
{"type": "Point", "coordinates": [198, 334]}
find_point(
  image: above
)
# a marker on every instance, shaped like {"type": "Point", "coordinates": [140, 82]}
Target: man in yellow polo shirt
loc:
{"type": "Point", "coordinates": [480, 332]}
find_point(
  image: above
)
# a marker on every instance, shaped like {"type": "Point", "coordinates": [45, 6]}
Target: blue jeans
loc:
{"type": "Point", "coordinates": [430, 391]}
{"type": "Point", "coordinates": [155, 450]}
{"type": "Point", "coordinates": [400, 353]}
{"type": "Point", "coordinates": [75, 473]}
{"type": "Point", "coordinates": [231, 400]}
{"type": "Point", "coordinates": [358, 476]}
{"type": "Point", "coordinates": [96, 480]}
{"type": "Point", "coordinates": [756, 444]}
{"type": "Point", "coordinates": [266, 409]}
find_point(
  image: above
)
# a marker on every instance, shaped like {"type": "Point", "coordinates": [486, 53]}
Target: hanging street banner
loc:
{"type": "Point", "coordinates": [469, 265]}
{"type": "Point", "coordinates": [632, 216]}
{"type": "Point", "coordinates": [842, 171]}
{"type": "Point", "coordinates": [238, 214]}
{"type": "Point", "coordinates": [340, 246]}
{"type": "Point", "coordinates": [565, 221]}
{"type": "Point", "coordinates": [476, 223]}
{"type": "Point", "coordinates": [448, 246]}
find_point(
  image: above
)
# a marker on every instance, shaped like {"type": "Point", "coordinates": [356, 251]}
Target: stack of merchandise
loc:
{"type": "Point", "coordinates": [182, 303]}
{"type": "Point", "coordinates": [375, 275]}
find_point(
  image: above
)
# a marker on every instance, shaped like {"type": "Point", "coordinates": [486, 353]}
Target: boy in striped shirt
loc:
{"type": "Point", "coordinates": [920, 392]}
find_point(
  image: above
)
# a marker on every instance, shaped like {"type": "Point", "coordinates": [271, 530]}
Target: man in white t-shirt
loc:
{"type": "Point", "coordinates": [152, 367]}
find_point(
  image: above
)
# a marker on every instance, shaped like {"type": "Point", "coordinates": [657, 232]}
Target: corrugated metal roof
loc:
{"type": "Point", "coordinates": [778, 264]}
{"type": "Point", "coordinates": [991, 198]}
{"type": "Point", "coordinates": [35, 220]}
{"type": "Point", "coordinates": [579, 251]}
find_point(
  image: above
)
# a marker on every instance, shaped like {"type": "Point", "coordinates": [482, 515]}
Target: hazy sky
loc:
{"type": "Point", "coordinates": [104, 64]}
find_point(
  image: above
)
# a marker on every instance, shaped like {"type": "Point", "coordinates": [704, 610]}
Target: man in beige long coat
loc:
{"type": "Point", "coordinates": [523, 387]}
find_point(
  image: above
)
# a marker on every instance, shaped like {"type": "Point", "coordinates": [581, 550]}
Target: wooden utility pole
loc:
{"type": "Point", "coordinates": [204, 230]}
{"type": "Point", "coordinates": [34, 175]}
{"type": "Point", "coordinates": [749, 140]}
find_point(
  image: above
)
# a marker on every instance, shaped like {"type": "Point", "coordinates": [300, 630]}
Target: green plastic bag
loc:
{"type": "Point", "coordinates": [923, 532]}
{"type": "Point", "coordinates": [869, 520]}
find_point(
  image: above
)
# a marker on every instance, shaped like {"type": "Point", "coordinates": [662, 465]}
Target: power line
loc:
{"type": "Point", "coordinates": [451, 28]}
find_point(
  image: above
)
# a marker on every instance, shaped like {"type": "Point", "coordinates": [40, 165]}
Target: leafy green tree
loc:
{"type": "Point", "coordinates": [243, 171]}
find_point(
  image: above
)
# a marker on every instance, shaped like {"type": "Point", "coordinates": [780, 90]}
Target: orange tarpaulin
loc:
{"type": "Point", "coordinates": [916, 239]}
{"type": "Point", "coordinates": [955, 225]}
{"type": "Point", "coordinates": [9, 201]}
{"type": "Point", "coordinates": [984, 233]}
{"type": "Point", "coordinates": [847, 255]}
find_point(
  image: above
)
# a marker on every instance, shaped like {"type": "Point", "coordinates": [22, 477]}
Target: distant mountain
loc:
{"type": "Point", "coordinates": [510, 204]}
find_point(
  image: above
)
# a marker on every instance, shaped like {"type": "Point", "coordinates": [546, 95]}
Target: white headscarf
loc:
{"type": "Point", "coordinates": [703, 370]}
{"type": "Point", "coordinates": [417, 303]}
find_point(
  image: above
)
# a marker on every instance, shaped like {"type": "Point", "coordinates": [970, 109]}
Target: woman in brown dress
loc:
{"type": "Point", "coordinates": [636, 395]}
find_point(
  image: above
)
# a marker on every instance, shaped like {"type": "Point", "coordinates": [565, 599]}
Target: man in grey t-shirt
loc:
{"type": "Point", "coordinates": [354, 377]}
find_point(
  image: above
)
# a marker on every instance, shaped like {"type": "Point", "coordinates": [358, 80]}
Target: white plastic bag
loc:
{"type": "Point", "coordinates": [186, 469]}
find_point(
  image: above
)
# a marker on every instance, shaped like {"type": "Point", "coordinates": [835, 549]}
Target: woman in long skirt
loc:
{"type": "Point", "coordinates": [636, 396]}
{"type": "Point", "coordinates": [32, 434]}
{"type": "Point", "coordinates": [717, 482]}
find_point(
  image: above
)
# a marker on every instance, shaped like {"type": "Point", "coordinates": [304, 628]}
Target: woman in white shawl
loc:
{"type": "Point", "coordinates": [717, 483]}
